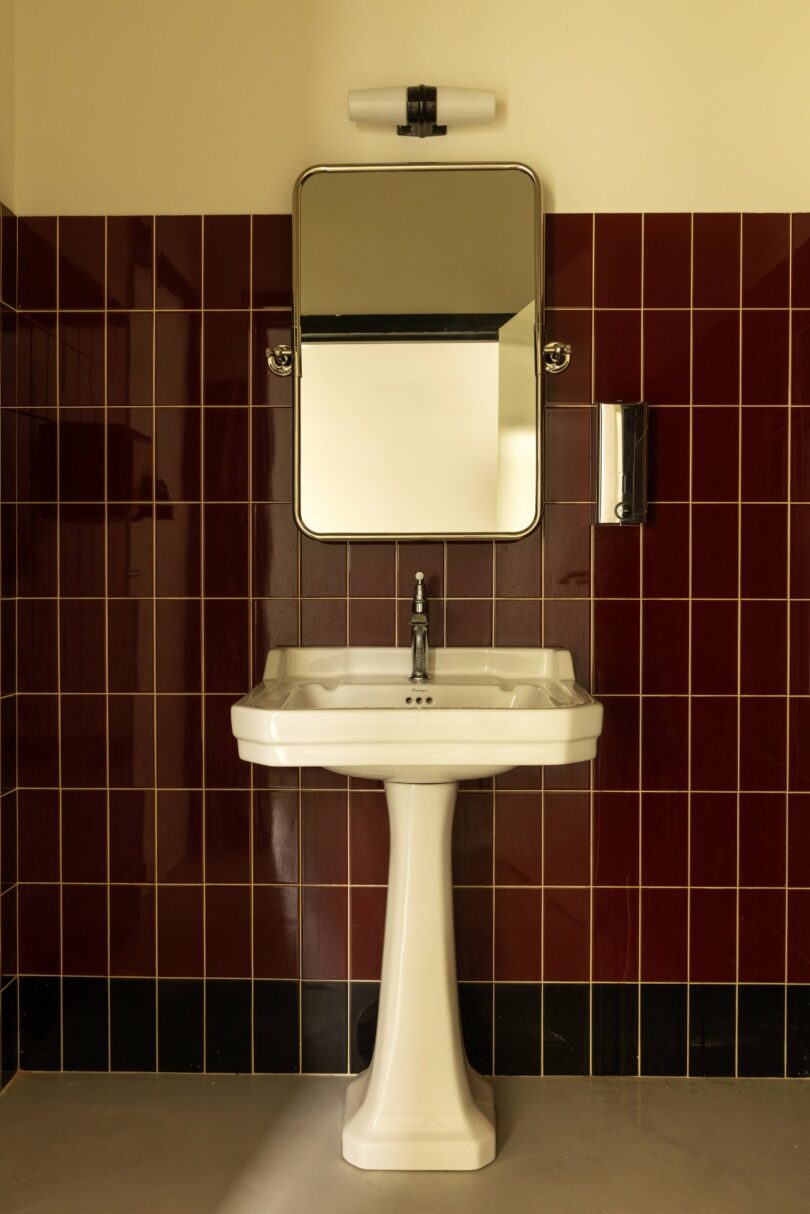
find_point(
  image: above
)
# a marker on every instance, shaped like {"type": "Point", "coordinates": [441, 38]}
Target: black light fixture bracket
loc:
{"type": "Point", "coordinates": [421, 113]}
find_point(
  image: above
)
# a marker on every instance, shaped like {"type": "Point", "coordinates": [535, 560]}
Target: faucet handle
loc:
{"type": "Point", "coordinates": [419, 597]}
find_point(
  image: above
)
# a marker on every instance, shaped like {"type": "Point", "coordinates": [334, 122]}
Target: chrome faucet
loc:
{"type": "Point", "coordinates": [419, 632]}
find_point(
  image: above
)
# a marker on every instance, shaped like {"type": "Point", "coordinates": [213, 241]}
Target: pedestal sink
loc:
{"type": "Point", "coordinates": [419, 1105]}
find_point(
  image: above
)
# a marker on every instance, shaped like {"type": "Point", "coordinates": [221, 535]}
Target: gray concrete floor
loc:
{"type": "Point", "coordinates": [170, 1144]}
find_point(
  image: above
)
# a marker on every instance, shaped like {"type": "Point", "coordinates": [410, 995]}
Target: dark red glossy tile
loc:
{"type": "Point", "coordinates": [37, 835]}
{"type": "Point", "coordinates": [472, 839]}
{"type": "Point", "coordinates": [8, 268]}
{"type": "Point", "coordinates": [573, 386]}
{"type": "Point", "coordinates": [227, 931]}
{"type": "Point", "coordinates": [227, 665]}
{"type": "Point", "coordinates": [372, 571]}
{"type": "Point", "coordinates": [616, 643]}
{"type": "Point", "coordinates": [712, 935]}
{"type": "Point", "coordinates": [765, 358]}
{"type": "Point", "coordinates": [272, 454]}
{"type": "Point", "coordinates": [324, 822]}
{"type": "Point", "coordinates": [518, 622]}
{"type": "Point", "coordinates": [129, 261]}
{"type": "Point", "coordinates": [667, 260]}
{"type": "Point", "coordinates": [518, 839]}
{"type": "Point", "coordinates": [715, 537]}
{"type": "Point", "coordinates": [367, 931]}
{"type": "Point", "coordinates": [82, 648]}
{"type": "Point", "coordinates": [36, 265]}
{"type": "Point", "coordinates": [800, 359]}
{"type": "Point", "coordinates": [133, 942]}
{"type": "Point", "coordinates": [763, 743]}
{"type": "Point", "coordinates": [225, 549]}
{"type": "Point", "coordinates": [715, 358]}
{"type": "Point", "coordinates": [617, 356]}
{"type": "Point", "coordinates": [800, 455]}
{"type": "Point", "coordinates": [8, 355]}
{"type": "Point", "coordinates": [83, 741]}
{"type": "Point", "coordinates": [177, 454]}
{"type": "Point", "coordinates": [714, 647]}
{"type": "Point", "coordinates": [37, 653]}
{"type": "Point", "coordinates": [324, 622]}
{"type": "Point", "coordinates": [615, 839]}
{"type": "Point", "coordinates": [714, 743]}
{"type": "Point", "coordinates": [716, 276]}
{"type": "Point", "coordinates": [472, 909]}
{"type": "Point", "coordinates": [129, 358]}
{"type": "Point", "coordinates": [713, 839]}
{"type": "Point", "coordinates": [36, 360]}
{"type": "Point", "coordinates": [763, 648]}
{"type": "Point", "coordinates": [567, 461]}
{"type": "Point", "coordinates": [180, 931]}
{"type": "Point", "coordinates": [469, 570]}
{"type": "Point", "coordinates": [81, 456]}
{"type": "Point", "coordinates": [179, 836]}
{"type": "Point", "coordinates": [569, 261]}
{"type": "Point", "coordinates": [84, 929]}
{"type": "Point", "coordinates": [762, 935]}
{"type": "Point", "coordinates": [665, 542]}
{"type": "Point", "coordinates": [799, 673]}
{"type": "Point", "coordinates": [324, 944]}
{"type": "Point", "coordinates": [615, 935]}
{"type": "Point", "coordinates": [275, 623]}
{"type": "Point", "coordinates": [226, 261]}
{"type": "Point", "coordinates": [617, 562]}
{"type": "Point", "coordinates": [762, 838]}
{"type": "Point", "coordinates": [129, 551]}
{"type": "Point", "coordinates": [666, 358]}
{"type": "Point", "coordinates": [566, 838]}
{"type": "Point", "coordinates": [372, 621]}
{"type": "Point", "coordinates": [271, 329]}
{"type": "Point", "coordinates": [800, 252]}
{"type": "Point", "coordinates": [38, 741]}
{"type": "Point", "coordinates": [664, 935]}
{"type": "Point", "coordinates": [566, 935]}
{"type": "Point", "coordinates": [800, 551]}
{"type": "Point", "coordinates": [323, 568]}
{"type": "Point", "coordinates": [518, 935]}
{"type": "Point", "coordinates": [668, 453]}
{"type": "Point", "coordinates": [763, 570]}
{"type": "Point", "coordinates": [664, 745]}
{"type": "Point", "coordinates": [81, 261]}
{"type": "Point", "coordinates": [132, 835]}
{"type": "Point", "coordinates": [715, 455]}
{"type": "Point", "coordinates": [617, 254]}
{"type": "Point", "coordinates": [178, 645]}
{"type": "Point", "coordinates": [131, 748]}
{"type": "Point", "coordinates": [518, 565]}
{"type": "Point", "coordinates": [178, 252]}
{"type": "Point", "coordinates": [8, 823]}
{"type": "Point", "coordinates": [39, 928]}
{"type": "Point", "coordinates": [799, 759]}
{"type": "Point", "coordinates": [226, 454]}
{"type": "Point", "coordinates": [275, 836]}
{"type": "Point", "coordinates": [665, 668]}
{"type": "Point", "coordinates": [567, 625]}
{"type": "Point", "coordinates": [275, 563]}
{"type": "Point", "coordinates": [798, 958]}
{"type": "Point", "coordinates": [84, 835]}
{"type": "Point", "coordinates": [368, 827]}
{"type": "Point", "coordinates": [275, 932]}
{"type": "Point", "coordinates": [178, 378]}
{"type": "Point", "coordinates": [179, 741]}
{"type": "Point", "coordinates": [272, 261]}
{"type": "Point", "coordinates": [227, 837]}
{"type": "Point", "coordinates": [766, 261]}
{"type": "Point", "coordinates": [81, 359]}
{"type": "Point", "coordinates": [223, 767]}
{"type": "Point", "coordinates": [129, 456]}
{"type": "Point", "coordinates": [469, 622]}
{"type": "Point", "coordinates": [226, 339]}
{"type": "Point", "coordinates": [566, 562]}
{"type": "Point", "coordinates": [426, 556]}
{"type": "Point", "coordinates": [616, 765]}
{"type": "Point", "coordinates": [664, 838]}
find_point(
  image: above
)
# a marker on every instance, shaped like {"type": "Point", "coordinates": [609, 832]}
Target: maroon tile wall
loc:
{"type": "Point", "coordinates": [158, 560]}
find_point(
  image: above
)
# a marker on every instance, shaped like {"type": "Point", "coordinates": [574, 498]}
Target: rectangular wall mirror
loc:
{"type": "Point", "coordinates": [417, 338]}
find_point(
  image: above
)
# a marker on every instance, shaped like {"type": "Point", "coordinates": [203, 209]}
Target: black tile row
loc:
{"type": "Point", "coordinates": [235, 1026]}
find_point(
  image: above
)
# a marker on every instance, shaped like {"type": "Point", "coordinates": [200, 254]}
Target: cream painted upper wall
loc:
{"type": "Point", "coordinates": [7, 191]}
{"type": "Point", "coordinates": [216, 105]}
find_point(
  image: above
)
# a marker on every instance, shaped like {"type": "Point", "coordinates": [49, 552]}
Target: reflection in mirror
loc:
{"type": "Point", "coordinates": [417, 322]}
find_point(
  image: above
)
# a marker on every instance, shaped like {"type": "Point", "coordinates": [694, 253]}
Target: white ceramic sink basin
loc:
{"type": "Point", "coordinates": [419, 1105]}
{"type": "Point", "coordinates": [355, 712]}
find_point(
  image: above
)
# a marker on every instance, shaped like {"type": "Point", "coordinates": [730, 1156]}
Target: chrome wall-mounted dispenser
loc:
{"type": "Point", "coordinates": [621, 495]}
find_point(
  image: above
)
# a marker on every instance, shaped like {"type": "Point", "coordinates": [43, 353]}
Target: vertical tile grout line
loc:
{"type": "Point", "coordinates": [788, 642]}
{"type": "Point", "coordinates": [640, 900]}
{"type": "Point", "coordinates": [251, 640]}
{"type": "Point", "coordinates": [58, 376]}
{"type": "Point", "coordinates": [689, 644]}
{"type": "Point", "coordinates": [106, 508]}
{"type": "Point", "coordinates": [739, 644]}
{"type": "Point", "coordinates": [155, 815]}
{"type": "Point", "coordinates": [591, 661]}
{"type": "Point", "coordinates": [203, 773]}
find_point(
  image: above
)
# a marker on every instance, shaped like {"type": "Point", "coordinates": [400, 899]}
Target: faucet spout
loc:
{"type": "Point", "coordinates": [419, 632]}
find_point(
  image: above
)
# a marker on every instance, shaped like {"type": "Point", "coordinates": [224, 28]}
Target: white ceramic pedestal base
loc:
{"type": "Point", "coordinates": [419, 1106]}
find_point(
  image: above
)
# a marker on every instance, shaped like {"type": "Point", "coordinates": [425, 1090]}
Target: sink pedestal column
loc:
{"type": "Point", "coordinates": [419, 1105]}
